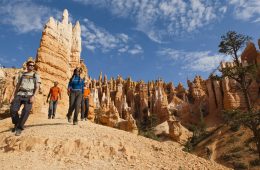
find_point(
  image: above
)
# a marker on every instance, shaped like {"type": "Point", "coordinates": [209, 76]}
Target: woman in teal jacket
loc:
{"type": "Point", "coordinates": [75, 91]}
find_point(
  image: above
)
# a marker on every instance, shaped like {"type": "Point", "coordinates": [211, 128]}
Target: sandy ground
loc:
{"type": "Point", "coordinates": [57, 144]}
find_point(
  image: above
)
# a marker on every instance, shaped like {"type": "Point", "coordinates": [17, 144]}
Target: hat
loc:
{"type": "Point", "coordinates": [28, 62]}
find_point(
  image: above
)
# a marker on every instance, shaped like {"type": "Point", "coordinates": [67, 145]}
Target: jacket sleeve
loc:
{"type": "Point", "coordinates": [70, 83]}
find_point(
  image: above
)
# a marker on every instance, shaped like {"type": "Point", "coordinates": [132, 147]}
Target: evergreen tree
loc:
{"type": "Point", "coordinates": [230, 44]}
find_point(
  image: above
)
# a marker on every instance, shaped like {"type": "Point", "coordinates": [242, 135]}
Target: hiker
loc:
{"type": "Point", "coordinates": [75, 91]}
{"type": "Point", "coordinates": [85, 102]}
{"type": "Point", "coordinates": [24, 94]}
{"type": "Point", "coordinates": [54, 96]}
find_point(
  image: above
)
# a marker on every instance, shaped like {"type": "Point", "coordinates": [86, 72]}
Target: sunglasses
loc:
{"type": "Point", "coordinates": [31, 65]}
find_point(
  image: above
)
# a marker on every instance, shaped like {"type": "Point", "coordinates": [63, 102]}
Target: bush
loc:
{"type": "Point", "coordinates": [233, 139]}
{"type": "Point", "coordinates": [240, 134]}
{"type": "Point", "coordinates": [199, 134]}
{"type": "Point", "coordinates": [149, 134]}
{"type": "Point", "coordinates": [236, 149]}
{"type": "Point", "coordinates": [226, 157]}
{"type": "Point", "coordinates": [236, 155]}
{"type": "Point", "coordinates": [248, 141]}
{"type": "Point", "coordinates": [146, 127]}
{"type": "Point", "coordinates": [188, 147]}
{"type": "Point", "coordinates": [234, 127]}
{"type": "Point", "coordinates": [239, 165]}
{"type": "Point", "coordinates": [255, 162]}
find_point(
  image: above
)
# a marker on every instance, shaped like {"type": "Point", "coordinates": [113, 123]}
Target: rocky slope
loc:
{"type": "Point", "coordinates": [56, 144]}
{"type": "Point", "coordinates": [232, 147]}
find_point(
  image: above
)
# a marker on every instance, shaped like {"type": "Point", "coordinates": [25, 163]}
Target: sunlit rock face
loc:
{"type": "Point", "coordinates": [210, 97]}
{"type": "Point", "coordinates": [233, 98]}
{"type": "Point", "coordinates": [57, 57]}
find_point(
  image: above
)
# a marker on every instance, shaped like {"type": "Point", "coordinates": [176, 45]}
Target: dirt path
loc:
{"type": "Point", "coordinates": [213, 150]}
{"type": "Point", "coordinates": [56, 144]}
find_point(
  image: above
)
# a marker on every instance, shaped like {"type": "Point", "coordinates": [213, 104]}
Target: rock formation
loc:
{"type": "Point", "coordinates": [57, 57]}
{"type": "Point", "coordinates": [124, 103]}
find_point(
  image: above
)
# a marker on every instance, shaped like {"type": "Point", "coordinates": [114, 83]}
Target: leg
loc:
{"type": "Point", "coordinates": [15, 106]}
{"type": "Point", "coordinates": [50, 109]}
{"type": "Point", "coordinates": [87, 108]}
{"type": "Point", "coordinates": [77, 105]}
{"type": "Point", "coordinates": [25, 112]}
{"type": "Point", "coordinates": [71, 104]}
{"type": "Point", "coordinates": [82, 108]}
{"type": "Point", "coordinates": [54, 108]}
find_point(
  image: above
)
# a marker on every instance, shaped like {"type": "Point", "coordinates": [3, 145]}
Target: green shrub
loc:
{"type": "Point", "coordinates": [234, 127]}
{"type": "Point", "coordinates": [248, 141]}
{"type": "Point", "coordinates": [255, 162]}
{"type": "Point", "coordinates": [226, 157]}
{"type": "Point", "coordinates": [241, 134]}
{"type": "Point", "coordinates": [233, 139]}
{"type": "Point", "coordinates": [149, 134]}
{"type": "Point", "coordinates": [236, 149]}
{"type": "Point", "coordinates": [236, 155]}
{"type": "Point", "coordinates": [188, 147]}
{"type": "Point", "coordinates": [239, 165]}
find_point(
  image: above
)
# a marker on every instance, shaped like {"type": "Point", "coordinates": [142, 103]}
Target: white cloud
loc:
{"type": "Point", "coordinates": [160, 19]}
{"type": "Point", "coordinates": [24, 16]}
{"type": "Point", "coordinates": [257, 20]}
{"type": "Point", "coordinates": [246, 9]}
{"type": "Point", "coordinates": [124, 49]}
{"type": "Point", "coordinates": [95, 37]}
{"type": "Point", "coordinates": [136, 50]}
{"type": "Point", "coordinates": [6, 60]}
{"type": "Point", "coordinates": [204, 61]}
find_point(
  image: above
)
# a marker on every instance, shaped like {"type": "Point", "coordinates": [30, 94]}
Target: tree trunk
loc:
{"type": "Point", "coordinates": [245, 92]}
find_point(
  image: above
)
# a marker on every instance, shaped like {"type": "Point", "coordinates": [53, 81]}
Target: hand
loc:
{"type": "Point", "coordinates": [11, 99]}
{"type": "Point", "coordinates": [32, 99]}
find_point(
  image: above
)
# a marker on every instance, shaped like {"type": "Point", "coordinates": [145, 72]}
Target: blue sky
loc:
{"type": "Point", "coordinates": [144, 39]}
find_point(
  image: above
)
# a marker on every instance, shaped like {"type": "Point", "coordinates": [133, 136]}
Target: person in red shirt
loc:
{"type": "Point", "coordinates": [85, 102]}
{"type": "Point", "coordinates": [54, 95]}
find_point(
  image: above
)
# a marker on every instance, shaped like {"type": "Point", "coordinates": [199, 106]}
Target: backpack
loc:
{"type": "Point", "coordinates": [21, 79]}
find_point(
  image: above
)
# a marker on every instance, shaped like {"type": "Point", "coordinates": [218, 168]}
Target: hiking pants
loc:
{"type": "Point", "coordinates": [52, 107]}
{"type": "Point", "coordinates": [74, 104]}
{"type": "Point", "coordinates": [84, 108]}
{"type": "Point", "coordinates": [17, 120]}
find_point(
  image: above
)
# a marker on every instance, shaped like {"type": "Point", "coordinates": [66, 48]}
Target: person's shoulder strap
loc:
{"type": "Point", "coordinates": [20, 78]}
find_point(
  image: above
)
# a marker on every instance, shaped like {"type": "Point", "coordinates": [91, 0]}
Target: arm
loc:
{"type": "Point", "coordinates": [36, 90]}
{"type": "Point", "coordinates": [48, 95]}
{"type": "Point", "coordinates": [69, 86]}
{"type": "Point", "coordinates": [37, 86]}
{"type": "Point", "coordinates": [60, 93]}
{"type": "Point", "coordinates": [17, 86]}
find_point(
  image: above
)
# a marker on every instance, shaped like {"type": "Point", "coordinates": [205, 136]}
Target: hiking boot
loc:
{"type": "Point", "coordinates": [69, 119]}
{"type": "Point", "coordinates": [49, 117]}
{"type": "Point", "coordinates": [53, 117]}
{"type": "Point", "coordinates": [18, 132]}
{"type": "Point", "coordinates": [14, 128]}
{"type": "Point", "coordinates": [82, 119]}
{"type": "Point", "coordinates": [86, 119]}
{"type": "Point", "coordinates": [75, 122]}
